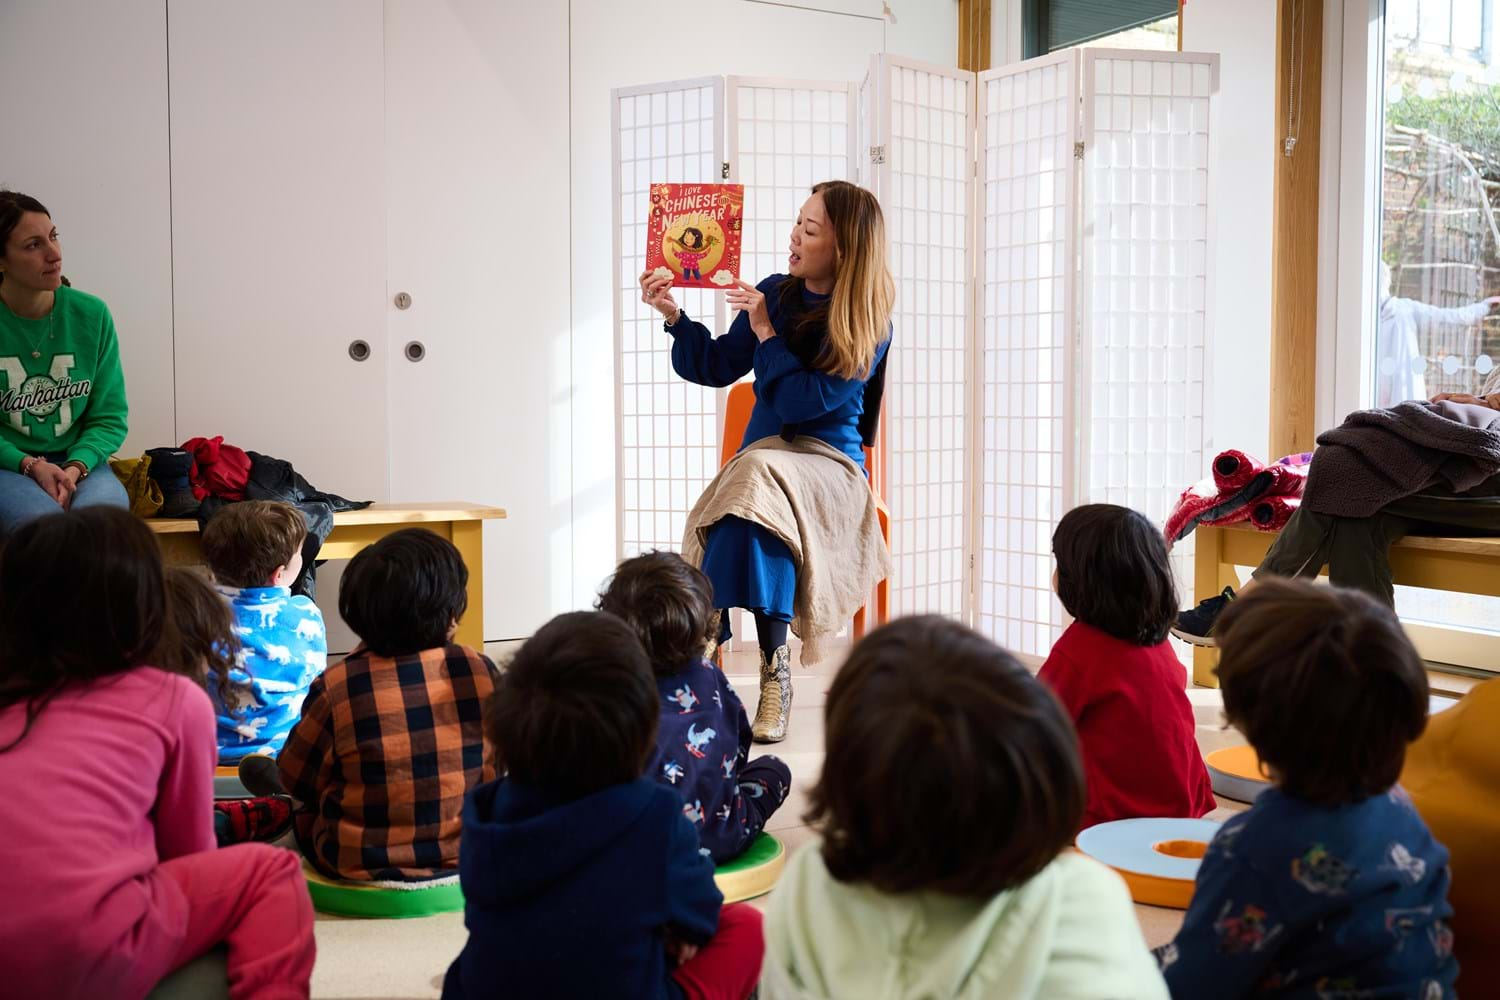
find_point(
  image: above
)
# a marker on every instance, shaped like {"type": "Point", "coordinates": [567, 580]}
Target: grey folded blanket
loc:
{"type": "Point", "coordinates": [818, 502]}
{"type": "Point", "coordinates": [1379, 456]}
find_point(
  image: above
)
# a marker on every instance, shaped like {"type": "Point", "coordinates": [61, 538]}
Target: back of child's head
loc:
{"type": "Point", "coordinates": [405, 593]}
{"type": "Point", "coordinates": [1113, 573]}
{"type": "Point", "coordinates": [199, 640]}
{"type": "Point", "coordinates": [576, 710]}
{"type": "Point", "coordinates": [668, 602]}
{"type": "Point", "coordinates": [245, 543]}
{"type": "Point", "coordinates": [949, 767]}
{"type": "Point", "coordinates": [81, 598]}
{"type": "Point", "coordinates": [1325, 686]}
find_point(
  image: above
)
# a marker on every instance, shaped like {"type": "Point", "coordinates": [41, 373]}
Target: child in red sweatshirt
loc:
{"type": "Point", "coordinates": [1116, 672]}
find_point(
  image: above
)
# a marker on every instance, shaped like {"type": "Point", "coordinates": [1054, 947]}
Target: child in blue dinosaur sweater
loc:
{"type": "Point", "coordinates": [1330, 885]}
{"type": "Point", "coordinates": [581, 877]}
{"type": "Point", "coordinates": [703, 737]}
{"type": "Point", "coordinates": [254, 550]}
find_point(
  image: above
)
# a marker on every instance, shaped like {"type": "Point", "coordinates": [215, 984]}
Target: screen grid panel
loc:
{"type": "Point", "coordinates": [926, 195]}
{"type": "Point", "coordinates": [1029, 212]}
{"type": "Point", "coordinates": [1146, 179]}
{"type": "Point", "coordinates": [667, 429]}
{"type": "Point", "coordinates": [785, 137]}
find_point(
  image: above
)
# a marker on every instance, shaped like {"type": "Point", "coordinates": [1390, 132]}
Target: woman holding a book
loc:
{"type": "Point", "coordinates": [816, 339]}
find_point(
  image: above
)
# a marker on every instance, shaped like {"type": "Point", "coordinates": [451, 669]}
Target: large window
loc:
{"type": "Point", "coordinates": [1053, 25]}
{"type": "Point", "coordinates": [1437, 273]}
{"type": "Point", "coordinates": [1440, 177]}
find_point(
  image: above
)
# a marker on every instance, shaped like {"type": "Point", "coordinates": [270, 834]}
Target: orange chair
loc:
{"type": "Point", "coordinates": [737, 417]}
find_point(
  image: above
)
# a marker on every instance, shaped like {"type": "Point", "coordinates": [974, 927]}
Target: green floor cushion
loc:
{"type": "Point", "coordinates": [753, 873]}
{"type": "Point", "coordinates": [383, 899]}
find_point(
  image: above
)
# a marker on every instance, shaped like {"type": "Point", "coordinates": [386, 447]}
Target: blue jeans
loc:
{"type": "Point", "coordinates": [21, 499]}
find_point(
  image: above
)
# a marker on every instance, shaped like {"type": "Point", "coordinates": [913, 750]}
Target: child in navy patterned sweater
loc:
{"type": "Point", "coordinates": [703, 743]}
{"type": "Point", "coordinates": [1330, 885]}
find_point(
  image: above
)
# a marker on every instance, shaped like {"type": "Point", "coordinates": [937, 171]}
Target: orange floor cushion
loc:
{"type": "Point", "coordinates": [1453, 775]}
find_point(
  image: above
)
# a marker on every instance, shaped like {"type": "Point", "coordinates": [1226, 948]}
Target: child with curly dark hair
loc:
{"type": "Point", "coordinates": [1331, 884]}
{"type": "Point", "coordinates": [703, 739]}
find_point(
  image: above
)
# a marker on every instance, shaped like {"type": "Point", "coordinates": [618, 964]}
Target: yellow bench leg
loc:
{"type": "Point", "coordinates": [1208, 570]}
{"type": "Point", "coordinates": [468, 538]}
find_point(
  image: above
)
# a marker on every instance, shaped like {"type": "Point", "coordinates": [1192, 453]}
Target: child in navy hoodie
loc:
{"type": "Point", "coordinates": [703, 739]}
{"type": "Point", "coordinates": [582, 876]}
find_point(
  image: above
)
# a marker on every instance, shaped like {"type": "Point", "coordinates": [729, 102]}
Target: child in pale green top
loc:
{"type": "Point", "coordinates": [950, 793]}
{"type": "Point", "coordinates": [62, 389]}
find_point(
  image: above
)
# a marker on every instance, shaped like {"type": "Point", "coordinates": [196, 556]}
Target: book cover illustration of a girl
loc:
{"type": "Point", "coordinates": [692, 246]}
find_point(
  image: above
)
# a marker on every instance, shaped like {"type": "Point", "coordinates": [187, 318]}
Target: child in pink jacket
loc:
{"type": "Point", "coordinates": [112, 878]}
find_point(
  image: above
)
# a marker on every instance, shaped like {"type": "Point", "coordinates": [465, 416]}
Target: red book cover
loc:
{"type": "Point", "coordinates": [695, 233]}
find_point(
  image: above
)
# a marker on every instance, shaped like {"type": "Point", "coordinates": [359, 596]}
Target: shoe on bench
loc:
{"type": "Point", "coordinates": [1196, 627]}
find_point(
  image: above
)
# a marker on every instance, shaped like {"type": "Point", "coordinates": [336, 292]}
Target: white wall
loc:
{"type": "Point", "coordinates": [611, 48]}
{"type": "Point", "coordinates": [1244, 35]}
{"type": "Point", "coordinates": [85, 88]}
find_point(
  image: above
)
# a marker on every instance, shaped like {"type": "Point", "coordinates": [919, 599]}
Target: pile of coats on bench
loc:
{"type": "Point", "coordinates": [1241, 489]}
{"type": "Point", "coordinates": [199, 478]}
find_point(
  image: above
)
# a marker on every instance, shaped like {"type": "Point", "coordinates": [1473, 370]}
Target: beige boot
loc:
{"type": "Point", "coordinates": [775, 707]}
{"type": "Point", "coordinates": [712, 652]}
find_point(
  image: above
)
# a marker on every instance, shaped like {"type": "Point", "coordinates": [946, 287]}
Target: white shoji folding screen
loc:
{"type": "Point", "coordinates": [666, 430]}
{"type": "Point", "coordinates": [1146, 197]}
{"type": "Point", "coordinates": [1052, 319]}
{"type": "Point", "coordinates": [782, 137]}
{"type": "Point", "coordinates": [1023, 471]}
{"type": "Point", "coordinates": [922, 139]}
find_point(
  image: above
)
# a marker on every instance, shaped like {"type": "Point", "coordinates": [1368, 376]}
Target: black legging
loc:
{"type": "Point", "coordinates": [769, 632]}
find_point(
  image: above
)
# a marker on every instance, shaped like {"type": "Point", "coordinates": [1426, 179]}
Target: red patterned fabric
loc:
{"type": "Point", "coordinates": [219, 470]}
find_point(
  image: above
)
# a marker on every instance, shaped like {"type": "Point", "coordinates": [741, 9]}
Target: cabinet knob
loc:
{"type": "Point", "coordinates": [415, 351]}
{"type": "Point", "coordinates": [359, 350]}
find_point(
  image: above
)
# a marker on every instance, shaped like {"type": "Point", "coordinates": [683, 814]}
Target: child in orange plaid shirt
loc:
{"type": "Point", "coordinates": [392, 738]}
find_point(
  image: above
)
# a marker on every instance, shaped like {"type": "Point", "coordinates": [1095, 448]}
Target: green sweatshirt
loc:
{"type": "Point", "coordinates": [1070, 933]}
{"type": "Point", "coordinates": [70, 400]}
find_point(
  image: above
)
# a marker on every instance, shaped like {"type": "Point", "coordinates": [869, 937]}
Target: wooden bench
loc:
{"type": "Point", "coordinates": [460, 523]}
{"type": "Point", "coordinates": [1457, 565]}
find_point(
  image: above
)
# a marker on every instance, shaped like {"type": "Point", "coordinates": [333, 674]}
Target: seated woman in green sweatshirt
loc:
{"type": "Point", "coordinates": [62, 391]}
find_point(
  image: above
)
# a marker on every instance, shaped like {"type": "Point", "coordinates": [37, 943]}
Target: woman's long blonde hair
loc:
{"type": "Point", "coordinates": [858, 314]}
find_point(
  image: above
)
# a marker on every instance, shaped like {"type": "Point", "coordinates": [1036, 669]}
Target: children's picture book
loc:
{"type": "Point", "coordinates": [694, 233]}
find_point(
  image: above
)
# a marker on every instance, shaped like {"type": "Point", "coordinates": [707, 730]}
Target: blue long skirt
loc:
{"type": "Point", "coordinates": [750, 568]}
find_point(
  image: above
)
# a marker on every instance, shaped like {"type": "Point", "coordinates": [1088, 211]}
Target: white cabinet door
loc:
{"type": "Point", "coordinates": [477, 154]}
{"type": "Point", "coordinates": [86, 134]}
{"type": "Point", "coordinates": [278, 227]}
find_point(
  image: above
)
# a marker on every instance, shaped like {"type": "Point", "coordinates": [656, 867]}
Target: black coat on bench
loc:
{"type": "Point", "coordinates": [275, 479]}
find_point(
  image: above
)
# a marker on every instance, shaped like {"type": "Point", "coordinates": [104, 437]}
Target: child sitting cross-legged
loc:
{"type": "Point", "coordinates": [582, 877]}
{"type": "Point", "coordinates": [703, 738]}
{"type": "Point", "coordinates": [947, 804]}
{"type": "Point", "coordinates": [1116, 673]}
{"type": "Point", "coordinates": [392, 738]}
{"type": "Point", "coordinates": [254, 550]}
{"type": "Point", "coordinates": [112, 879]}
{"type": "Point", "coordinates": [1330, 885]}
{"type": "Point", "coordinates": [199, 641]}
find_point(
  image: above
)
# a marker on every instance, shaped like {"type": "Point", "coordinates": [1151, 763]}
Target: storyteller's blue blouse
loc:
{"type": "Point", "coordinates": [824, 406]}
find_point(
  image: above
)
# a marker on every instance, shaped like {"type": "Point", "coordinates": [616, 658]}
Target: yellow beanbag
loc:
{"type": "Point", "coordinates": [1453, 775]}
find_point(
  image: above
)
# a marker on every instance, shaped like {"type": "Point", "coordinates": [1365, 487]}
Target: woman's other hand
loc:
{"type": "Point", "coordinates": [55, 482]}
{"type": "Point", "coordinates": [1468, 399]}
{"type": "Point", "coordinates": [656, 291]}
{"type": "Point", "coordinates": [752, 302]}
